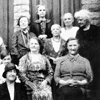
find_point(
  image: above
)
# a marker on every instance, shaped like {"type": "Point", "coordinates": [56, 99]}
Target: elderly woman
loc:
{"type": "Point", "coordinates": [89, 39]}
{"type": "Point", "coordinates": [73, 73]}
{"type": "Point", "coordinates": [36, 72]}
{"type": "Point", "coordinates": [68, 30]}
{"type": "Point", "coordinates": [20, 39]}
{"type": "Point", "coordinates": [53, 49]}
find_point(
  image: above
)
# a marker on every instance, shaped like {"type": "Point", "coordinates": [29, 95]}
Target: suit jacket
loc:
{"type": "Point", "coordinates": [35, 28]}
{"type": "Point", "coordinates": [18, 46]}
{"type": "Point", "coordinates": [20, 92]}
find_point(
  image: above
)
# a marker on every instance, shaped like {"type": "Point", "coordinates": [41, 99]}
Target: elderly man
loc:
{"type": "Point", "coordinates": [89, 38]}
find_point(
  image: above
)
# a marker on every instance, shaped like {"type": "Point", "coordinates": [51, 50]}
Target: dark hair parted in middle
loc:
{"type": "Point", "coordinates": [23, 17]}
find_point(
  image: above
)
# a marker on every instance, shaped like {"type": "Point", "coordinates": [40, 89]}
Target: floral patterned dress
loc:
{"type": "Point", "coordinates": [33, 72]}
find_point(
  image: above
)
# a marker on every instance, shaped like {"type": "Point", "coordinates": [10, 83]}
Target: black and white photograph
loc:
{"type": "Point", "coordinates": [49, 49]}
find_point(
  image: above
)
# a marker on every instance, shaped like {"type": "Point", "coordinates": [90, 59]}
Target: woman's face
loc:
{"type": "Point", "coordinates": [34, 45]}
{"type": "Point", "coordinates": [24, 22]}
{"type": "Point", "coordinates": [6, 59]}
{"type": "Point", "coordinates": [56, 30]}
{"type": "Point", "coordinates": [73, 47]}
{"type": "Point", "coordinates": [11, 75]}
{"type": "Point", "coordinates": [68, 19]}
{"type": "Point", "coordinates": [82, 22]}
{"type": "Point", "coordinates": [41, 11]}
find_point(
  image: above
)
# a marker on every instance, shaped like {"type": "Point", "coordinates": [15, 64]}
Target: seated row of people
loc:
{"type": "Point", "coordinates": [73, 73]}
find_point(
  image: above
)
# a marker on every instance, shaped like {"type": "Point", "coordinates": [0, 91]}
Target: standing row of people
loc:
{"type": "Point", "coordinates": [38, 51]}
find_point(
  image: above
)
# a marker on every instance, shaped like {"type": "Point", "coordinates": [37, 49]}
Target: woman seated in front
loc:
{"type": "Point", "coordinates": [36, 72]}
{"type": "Point", "coordinates": [73, 73]}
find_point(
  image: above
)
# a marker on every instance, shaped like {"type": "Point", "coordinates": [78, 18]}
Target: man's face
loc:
{"type": "Point", "coordinates": [82, 22]}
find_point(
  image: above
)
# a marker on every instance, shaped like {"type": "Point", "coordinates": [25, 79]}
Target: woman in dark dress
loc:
{"type": "Point", "coordinates": [20, 39]}
{"type": "Point", "coordinates": [73, 73]}
{"type": "Point", "coordinates": [53, 49]}
{"type": "Point", "coordinates": [41, 27]}
{"type": "Point", "coordinates": [89, 39]}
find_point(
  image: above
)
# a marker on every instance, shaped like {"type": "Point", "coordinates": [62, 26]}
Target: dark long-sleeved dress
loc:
{"type": "Point", "coordinates": [77, 68]}
{"type": "Point", "coordinates": [20, 45]}
{"type": "Point", "coordinates": [49, 51]}
{"type": "Point", "coordinates": [19, 93]}
{"type": "Point", "coordinates": [90, 49]}
{"type": "Point", "coordinates": [33, 73]}
{"type": "Point", "coordinates": [41, 28]}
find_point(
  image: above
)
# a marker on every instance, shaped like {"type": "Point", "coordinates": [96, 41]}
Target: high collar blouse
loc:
{"type": "Point", "coordinates": [77, 68]}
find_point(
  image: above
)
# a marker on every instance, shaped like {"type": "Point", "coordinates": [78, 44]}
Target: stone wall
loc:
{"type": "Point", "coordinates": [94, 7]}
{"type": "Point", "coordinates": [21, 7]}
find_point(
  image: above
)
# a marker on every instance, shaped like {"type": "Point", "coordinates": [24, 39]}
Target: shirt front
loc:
{"type": "Point", "coordinates": [77, 68]}
{"type": "Point", "coordinates": [66, 34]}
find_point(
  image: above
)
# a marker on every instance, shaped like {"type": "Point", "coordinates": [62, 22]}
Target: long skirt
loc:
{"type": "Point", "coordinates": [69, 93]}
{"type": "Point", "coordinates": [42, 93]}
{"type": "Point", "coordinates": [39, 93]}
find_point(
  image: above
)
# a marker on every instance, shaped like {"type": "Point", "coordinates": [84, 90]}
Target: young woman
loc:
{"type": "Point", "coordinates": [73, 73]}
{"type": "Point", "coordinates": [41, 27]}
{"type": "Point", "coordinates": [20, 39]}
{"type": "Point", "coordinates": [36, 72]}
{"type": "Point", "coordinates": [5, 59]}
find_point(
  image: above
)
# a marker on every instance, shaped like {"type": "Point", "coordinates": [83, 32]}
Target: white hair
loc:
{"type": "Point", "coordinates": [84, 13]}
{"type": "Point", "coordinates": [55, 25]}
{"type": "Point", "coordinates": [67, 14]}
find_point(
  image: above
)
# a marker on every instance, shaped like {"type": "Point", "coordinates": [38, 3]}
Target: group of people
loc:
{"type": "Point", "coordinates": [48, 62]}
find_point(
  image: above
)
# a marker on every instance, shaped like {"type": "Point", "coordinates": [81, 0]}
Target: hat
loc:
{"type": "Point", "coordinates": [8, 67]}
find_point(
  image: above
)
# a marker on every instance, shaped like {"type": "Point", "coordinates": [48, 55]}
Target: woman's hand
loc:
{"type": "Point", "coordinates": [54, 59]}
{"type": "Point", "coordinates": [83, 82]}
{"type": "Point", "coordinates": [44, 83]}
{"type": "Point", "coordinates": [43, 37]}
{"type": "Point", "coordinates": [69, 82]}
{"type": "Point", "coordinates": [63, 82]}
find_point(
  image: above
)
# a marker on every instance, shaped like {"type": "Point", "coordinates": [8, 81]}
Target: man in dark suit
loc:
{"type": "Point", "coordinates": [10, 90]}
